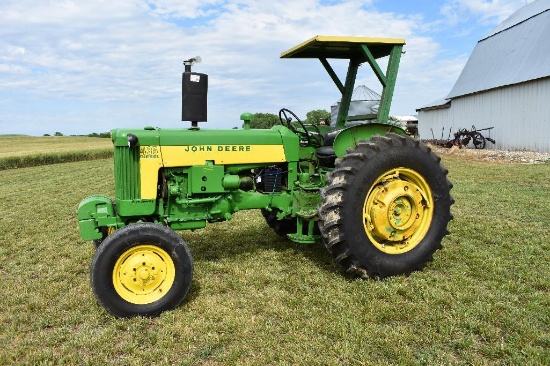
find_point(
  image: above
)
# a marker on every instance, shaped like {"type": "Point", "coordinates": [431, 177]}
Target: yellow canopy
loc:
{"type": "Point", "coordinates": [342, 47]}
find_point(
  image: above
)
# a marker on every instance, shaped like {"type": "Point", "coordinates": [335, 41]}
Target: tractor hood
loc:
{"type": "Point", "coordinates": [210, 142]}
{"type": "Point", "coordinates": [151, 136]}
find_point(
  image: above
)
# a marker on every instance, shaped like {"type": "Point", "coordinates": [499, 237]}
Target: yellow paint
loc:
{"type": "Point", "coordinates": [398, 211]}
{"type": "Point", "coordinates": [143, 274]}
{"type": "Point", "coordinates": [328, 41]}
{"type": "Point", "coordinates": [174, 156]}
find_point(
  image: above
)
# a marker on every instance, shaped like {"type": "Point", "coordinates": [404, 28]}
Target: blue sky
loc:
{"type": "Point", "coordinates": [89, 66]}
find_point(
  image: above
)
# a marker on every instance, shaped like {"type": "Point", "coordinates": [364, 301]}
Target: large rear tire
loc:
{"type": "Point", "coordinates": [386, 207]}
{"type": "Point", "coordinates": [141, 269]}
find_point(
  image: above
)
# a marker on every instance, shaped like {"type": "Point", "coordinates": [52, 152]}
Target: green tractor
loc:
{"type": "Point", "coordinates": [378, 199]}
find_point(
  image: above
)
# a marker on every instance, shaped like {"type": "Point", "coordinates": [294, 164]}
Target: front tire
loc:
{"type": "Point", "coordinates": [141, 269]}
{"type": "Point", "coordinates": [386, 207]}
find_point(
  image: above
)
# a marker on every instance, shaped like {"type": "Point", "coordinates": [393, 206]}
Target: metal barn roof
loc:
{"type": "Point", "coordinates": [521, 15]}
{"type": "Point", "coordinates": [516, 51]}
{"type": "Point", "coordinates": [438, 104]}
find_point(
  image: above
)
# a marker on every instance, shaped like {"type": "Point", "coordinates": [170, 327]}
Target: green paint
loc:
{"type": "Point", "coordinates": [387, 91]}
{"type": "Point", "coordinates": [352, 135]}
{"type": "Point", "coordinates": [348, 91]}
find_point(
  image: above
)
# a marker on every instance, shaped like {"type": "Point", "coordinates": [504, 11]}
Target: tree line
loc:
{"type": "Point", "coordinates": [260, 121]}
{"type": "Point", "coordinates": [93, 134]}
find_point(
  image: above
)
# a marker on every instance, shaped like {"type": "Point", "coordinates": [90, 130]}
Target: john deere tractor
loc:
{"type": "Point", "coordinates": [378, 199]}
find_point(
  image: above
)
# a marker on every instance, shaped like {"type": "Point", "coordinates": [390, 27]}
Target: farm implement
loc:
{"type": "Point", "coordinates": [463, 137]}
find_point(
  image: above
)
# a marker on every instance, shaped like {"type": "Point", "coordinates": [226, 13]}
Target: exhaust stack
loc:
{"type": "Point", "coordinates": [194, 94]}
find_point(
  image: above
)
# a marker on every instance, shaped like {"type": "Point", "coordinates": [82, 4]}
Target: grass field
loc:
{"type": "Point", "coordinates": [20, 151]}
{"type": "Point", "coordinates": [257, 299]}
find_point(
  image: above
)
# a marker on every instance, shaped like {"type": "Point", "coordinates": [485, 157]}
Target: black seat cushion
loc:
{"type": "Point", "coordinates": [329, 137]}
{"type": "Point", "coordinates": [326, 154]}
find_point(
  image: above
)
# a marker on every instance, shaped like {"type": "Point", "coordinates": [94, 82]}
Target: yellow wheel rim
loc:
{"type": "Point", "coordinates": [143, 274]}
{"type": "Point", "coordinates": [398, 211]}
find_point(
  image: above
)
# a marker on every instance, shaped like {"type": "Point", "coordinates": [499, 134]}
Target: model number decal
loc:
{"type": "Point", "coordinates": [149, 152]}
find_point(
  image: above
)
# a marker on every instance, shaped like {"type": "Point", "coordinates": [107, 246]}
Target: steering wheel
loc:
{"type": "Point", "coordinates": [286, 121]}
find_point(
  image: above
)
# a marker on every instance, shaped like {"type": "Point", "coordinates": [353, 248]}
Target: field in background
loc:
{"type": "Point", "coordinates": [21, 145]}
{"type": "Point", "coordinates": [20, 151]}
{"type": "Point", "coordinates": [258, 299]}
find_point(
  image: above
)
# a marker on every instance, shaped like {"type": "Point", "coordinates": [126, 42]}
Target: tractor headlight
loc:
{"type": "Point", "coordinates": [132, 140]}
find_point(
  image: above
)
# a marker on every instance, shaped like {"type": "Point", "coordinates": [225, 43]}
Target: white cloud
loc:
{"type": "Point", "coordinates": [184, 9]}
{"type": "Point", "coordinates": [485, 11]}
{"type": "Point", "coordinates": [124, 58]}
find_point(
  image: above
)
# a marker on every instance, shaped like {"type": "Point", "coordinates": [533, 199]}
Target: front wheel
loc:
{"type": "Point", "coordinates": [141, 269]}
{"type": "Point", "coordinates": [386, 207]}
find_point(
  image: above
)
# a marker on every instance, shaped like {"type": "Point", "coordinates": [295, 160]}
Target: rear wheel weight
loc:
{"type": "Point", "coordinates": [141, 269]}
{"type": "Point", "coordinates": [386, 207]}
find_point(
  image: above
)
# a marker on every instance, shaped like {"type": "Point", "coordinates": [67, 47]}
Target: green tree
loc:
{"type": "Point", "coordinates": [264, 120]}
{"type": "Point", "coordinates": [268, 120]}
{"type": "Point", "coordinates": [317, 116]}
{"type": "Point", "coordinates": [58, 134]}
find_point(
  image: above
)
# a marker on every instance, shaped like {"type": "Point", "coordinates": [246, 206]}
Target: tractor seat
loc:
{"type": "Point", "coordinates": [325, 153]}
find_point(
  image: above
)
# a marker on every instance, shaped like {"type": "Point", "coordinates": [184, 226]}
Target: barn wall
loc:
{"type": "Point", "coordinates": [520, 114]}
{"type": "Point", "coordinates": [435, 123]}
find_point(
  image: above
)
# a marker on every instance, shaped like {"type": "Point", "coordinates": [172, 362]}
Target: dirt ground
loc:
{"type": "Point", "coordinates": [520, 157]}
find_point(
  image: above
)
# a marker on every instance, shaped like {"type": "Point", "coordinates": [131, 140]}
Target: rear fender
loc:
{"type": "Point", "coordinates": [350, 136]}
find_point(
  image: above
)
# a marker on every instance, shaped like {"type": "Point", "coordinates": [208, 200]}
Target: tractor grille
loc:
{"type": "Point", "coordinates": [127, 180]}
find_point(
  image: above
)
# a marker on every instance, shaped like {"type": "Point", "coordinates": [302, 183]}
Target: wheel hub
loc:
{"type": "Point", "coordinates": [143, 274]}
{"type": "Point", "coordinates": [398, 211]}
{"type": "Point", "coordinates": [395, 212]}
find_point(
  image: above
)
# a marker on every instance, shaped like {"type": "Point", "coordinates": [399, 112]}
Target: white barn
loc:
{"type": "Point", "coordinates": [505, 84]}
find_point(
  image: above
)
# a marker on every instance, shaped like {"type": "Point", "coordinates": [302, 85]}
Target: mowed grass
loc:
{"type": "Point", "coordinates": [19, 151]}
{"type": "Point", "coordinates": [258, 299]}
